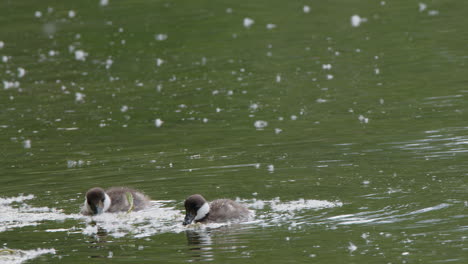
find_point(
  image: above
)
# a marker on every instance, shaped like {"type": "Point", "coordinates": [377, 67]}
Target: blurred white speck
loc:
{"type": "Point", "coordinates": [422, 7]}
{"type": "Point", "coordinates": [111, 254]}
{"type": "Point", "coordinates": [159, 62]}
{"type": "Point", "coordinates": [205, 120]}
{"type": "Point", "coordinates": [260, 124]}
{"type": "Point", "coordinates": [124, 109]}
{"type": "Point", "coordinates": [382, 3]}
{"type": "Point", "coordinates": [38, 14]}
{"type": "Point", "coordinates": [52, 53]}
{"type": "Point", "coordinates": [2, 44]}
{"type": "Point", "coordinates": [160, 37]}
{"type": "Point", "coordinates": [7, 85]}
{"type": "Point", "coordinates": [5, 59]}
{"type": "Point", "coordinates": [329, 77]}
{"type": "Point", "coordinates": [405, 253]}
{"type": "Point", "coordinates": [363, 119]}
{"type": "Point", "coordinates": [320, 100]}
{"type": "Point", "coordinates": [351, 247]}
{"type": "Point", "coordinates": [80, 55]}
{"type": "Point", "coordinates": [312, 255]}
{"type": "Point", "coordinates": [433, 12]}
{"type": "Point", "coordinates": [326, 66]}
{"type": "Point", "coordinates": [218, 109]}
{"type": "Point", "coordinates": [382, 101]}
{"type": "Point", "coordinates": [21, 72]}
{"type": "Point", "coordinates": [71, 14]}
{"type": "Point", "coordinates": [366, 182]}
{"type": "Point", "coordinates": [229, 10]}
{"type": "Point", "coordinates": [306, 9]}
{"type": "Point", "coordinates": [278, 78]}
{"type": "Point", "coordinates": [377, 71]}
{"type": "Point", "coordinates": [248, 22]}
{"type": "Point", "coordinates": [49, 28]}
{"type": "Point", "coordinates": [294, 117]}
{"type": "Point", "coordinates": [271, 168]}
{"type": "Point", "coordinates": [158, 122]}
{"type": "Point", "coordinates": [356, 20]}
{"type": "Point", "coordinates": [27, 144]}
{"type": "Point", "coordinates": [270, 26]}
{"type": "Point", "coordinates": [253, 107]}
{"type": "Point", "coordinates": [79, 97]}
{"type": "Point", "coordinates": [109, 63]}
{"type": "Point", "coordinates": [104, 2]}
{"type": "Point", "coordinates": [278, 130]}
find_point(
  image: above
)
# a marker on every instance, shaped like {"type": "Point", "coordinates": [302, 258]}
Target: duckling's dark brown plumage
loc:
{"type": "Point", "coordinates": [118, 200]}
{"type": "Point", "coordinates": [221, 210]}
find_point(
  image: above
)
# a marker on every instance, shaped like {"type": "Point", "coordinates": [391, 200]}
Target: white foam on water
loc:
{"type": "Point", "coordinates": [15, 213]}
{"type": "Point", "coordinates": [270, 26]}
{"type": "Point", "coordinates": [277, 213]}
{"type": "Point", "coordinates": [159, 218]}
{"type": "Point", "coordinates": [2, 44]}
{"type": "Point", "coordinates": [104, 2]}
{"type": "Point", "coordinates": [306, 9]}
{"type": "Point", "coordinates": [15, 256]}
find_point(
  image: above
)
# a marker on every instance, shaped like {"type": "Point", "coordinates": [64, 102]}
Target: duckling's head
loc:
{"type": "Point", "coordinates": [97, 201]}
{"type": "Point", "coordinates": [196, 208]}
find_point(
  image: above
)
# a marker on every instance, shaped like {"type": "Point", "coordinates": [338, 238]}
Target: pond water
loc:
{"type": "Point", "coordinates": [343, 124]}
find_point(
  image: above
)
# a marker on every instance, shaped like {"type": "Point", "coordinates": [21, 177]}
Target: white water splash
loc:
{"type": "Point", "coordinates": [14, 256]}
{"type": "Point", "coordinates": [159, 218]}
{"type": "Point", "coordinates": [15, 213]}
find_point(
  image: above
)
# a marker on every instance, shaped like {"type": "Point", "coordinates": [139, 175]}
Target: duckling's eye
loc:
{"type": "Point", "coordinates": [102, 200]}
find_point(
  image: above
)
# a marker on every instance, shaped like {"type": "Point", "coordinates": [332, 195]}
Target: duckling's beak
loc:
{"type": "Point", "coordinates": [96, 208]}
{"type": "Point", "coordinates": [188, 218]}
{"type": "Point", "coordinates": [100, 208]}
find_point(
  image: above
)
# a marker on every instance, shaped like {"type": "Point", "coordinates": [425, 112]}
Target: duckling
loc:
{"type": "Point", "coordinates": [198, 210]}
{"type": "Point", "coordinates": [113, 200]}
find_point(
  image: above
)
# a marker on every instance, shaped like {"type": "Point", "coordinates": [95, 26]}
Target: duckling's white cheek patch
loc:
{"type": "Point", "coordinates": [202, 212]}
{"type": "Point", "coordinates": [107, 203]}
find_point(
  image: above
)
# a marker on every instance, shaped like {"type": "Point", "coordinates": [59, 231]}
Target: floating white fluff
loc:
{"type": "Point", "coordinates": [356, 20]}
{"type": "Point", "coordinates": [80, 55]}
{"type": "Point", "coordinates": [248, 22]}
{"type": "Point", "coordinates": [260, 124]}
{"type": "Point", "coordinates": [158, 122]}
